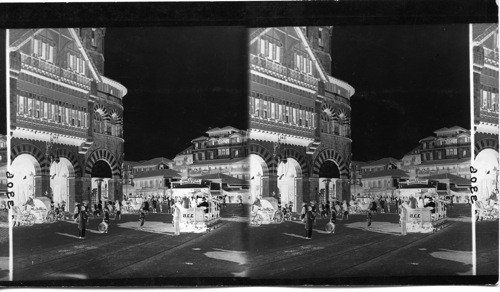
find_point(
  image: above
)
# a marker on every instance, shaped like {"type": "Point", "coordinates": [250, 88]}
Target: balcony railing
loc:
{"type": "Point", "coordinates": [297, 75]}
{"type": "Point", "coordinates": [283, 71]}
{"type": "Point", "coordinates": [265, 63]}
{"type": "Point", "coordinates": [48, 69]}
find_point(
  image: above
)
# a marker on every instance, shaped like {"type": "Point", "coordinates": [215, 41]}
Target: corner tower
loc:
{"type": "Point", "coordinates": [93, 42]}
{"type": "Point", "coordinates": [320, 39]}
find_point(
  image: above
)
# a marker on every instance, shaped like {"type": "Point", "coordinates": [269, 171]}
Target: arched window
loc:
{"type": "Point", "coordinates": [98, 122]}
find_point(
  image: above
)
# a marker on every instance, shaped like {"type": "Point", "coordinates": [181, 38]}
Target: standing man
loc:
{"type": "Point", "coordinates": [82, 223]}
{"type": "Point", "coordinates": [309, 220]}
{"type": "Point", "coordinates": [177, 218]}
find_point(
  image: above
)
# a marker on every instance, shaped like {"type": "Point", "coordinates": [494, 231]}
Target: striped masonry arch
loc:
{"type": "Point", "coordinates": [63, 152]}
{"type": "Point", "coordinates": [34, 151]}
{"type": "Point", "coordinates": [264, 154]}
{"type": "Point", "coordinates": [102, 154]}
{"type": "Point", "coordinates": [484, 144]}
{"type": "Point", "coordinates": [329, 154]}
{"type": "Point", "coordinates": [292, 153]}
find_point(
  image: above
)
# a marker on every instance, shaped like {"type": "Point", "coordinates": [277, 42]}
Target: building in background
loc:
{"type": "Point", "coordinates": [299, 136]}
{"type": "Point", "coordinates": [154, 182]}
{"type": "Point", "coordinates": [182, 161]}
{"type": "Point", "coordinates": [447, 152]}
{"type": "Point", "coordinates": [144, 168]}
{"type": "Point", "coordinates": [224, 151]}
{"type": "Point", "coordinates": [66, 116]}
{"type": "Point", "coordinates": [485, 97]}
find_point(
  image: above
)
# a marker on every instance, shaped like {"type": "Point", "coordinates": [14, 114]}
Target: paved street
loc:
{"type": "Point", "coordinates": [275, 251]}
{"type": "Point", "coordinates": [281, 251]}
{"type": "Point", "coordinates": [53, 251]}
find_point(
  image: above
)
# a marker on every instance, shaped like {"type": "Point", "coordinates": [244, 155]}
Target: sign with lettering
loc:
{"type": "Point", "coordinates": [190, 181]}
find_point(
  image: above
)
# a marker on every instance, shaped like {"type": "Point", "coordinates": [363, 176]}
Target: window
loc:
{"type": "Point", "coordinates": [45, 110]}
{"type": "Point", "coordinates": [223, 152]}
{"type": "Point", "coordinates": [303, 63]}
{"type": "Point", "coordinates": [320, 37]}
{"type": "Point", "coordinates": [257, 107]}
{"type": "Point", "coordinates": [20, 104]}
{"type": "Point", "coordinates": [30, 107]}
{"type": "Point", "coordinates": [92, 38]}
{"type": "Point", "coordinates": [37, 109]}
{"type": "Point", "coordinates": [271, 50]}
{"type": "Point", "coordinates": [236, 153]}
{"type": "Point", "coordinates": [43, 50]}
{"type": "Point", "coordinates": [76, 63]}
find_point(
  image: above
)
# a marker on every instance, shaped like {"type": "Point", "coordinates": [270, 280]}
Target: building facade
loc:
{"type": "Point", "coordinates": [485, 103]}
{"type": "Point", "coordinates": [299, 136]}
{"type": "Point", "coordinates": [182, 161]}
{"type": "Point", "coordinates": [66, 116]}
{"type": "Point", "coordinates": [224, 150]}
{"type": "Point", "coordinates": [131, 169]}
{"type": "Point", "coordinates": [449, 151]}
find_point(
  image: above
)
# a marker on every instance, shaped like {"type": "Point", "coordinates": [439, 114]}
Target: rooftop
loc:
{"type": "Point", "coordinates": [446, 161]}
{"type": "Point", "coordinates": [154, 161]}
{"type": "Point", "coordinates": [386, 172]}
{"type": "Point", "coordinates": [453, 178]}
{"type": "Point", "coordinates": [382, 161]}
{"type": "Point", "coordinates": [219, 161]}
{"type": "Point", "coordinates": [158, 172]}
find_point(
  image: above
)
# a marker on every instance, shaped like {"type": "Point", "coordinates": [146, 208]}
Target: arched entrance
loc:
{"type": "Point", "coordinates": [258, 169]}
{"type": "Point", "coordinates": [289, 181]}
{"type": "Point", "coordinates": [26, 169]}
{"type": "Point", "coordinates": [101, 175]}
{"type": "Point", "coordinates": [61, 172]}
{"type": "Point", "coordinates": [329, 173]}
{"type": "Point", "coordinates": [487, 165]}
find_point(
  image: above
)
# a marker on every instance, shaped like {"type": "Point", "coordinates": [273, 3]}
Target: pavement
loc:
{"type": "Point", "coordinates": [53, 251]}
{"type": "Point", "coordinates": [281, 251]}
{"type": "Point", "coordinates": [234, 249]}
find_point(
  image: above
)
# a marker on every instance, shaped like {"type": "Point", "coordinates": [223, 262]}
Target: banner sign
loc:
{"type": "Point", "coordinates": [415, 181]}
{"type": "Point", "coordinates": [190, 181]}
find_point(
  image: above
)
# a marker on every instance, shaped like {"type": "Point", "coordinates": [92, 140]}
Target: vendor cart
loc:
{"type": "Point", "coordinates": [198, 219]}
{"type": "Point", "coordinates": [427, 219]}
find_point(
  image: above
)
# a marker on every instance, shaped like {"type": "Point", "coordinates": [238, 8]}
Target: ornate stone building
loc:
{"type": "Point", "coordinates": [65, 116]}
{"type": "Point", "coordinates": [485, 97]}
{"type": "Point", "coordinates": [299, 137]}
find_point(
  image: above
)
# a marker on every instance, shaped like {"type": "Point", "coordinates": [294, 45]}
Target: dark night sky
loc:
{"type": "Point", "coordinates": [180, 82]}
{"type": "Point", "coordinates": [409, 81]}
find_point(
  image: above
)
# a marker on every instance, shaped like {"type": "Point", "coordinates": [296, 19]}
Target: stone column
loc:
{"type": "Point", "coordinates": [264, 186]}
{"type": "Point", "coordinates": [313, 190]}
{"type": "Point", "coordinates": [273, 185]}
{"type": "Point", "coordinates": [299, 188]}
{"type": "Point", "coordinates": [86, 189]}
{"type": "Point", "coordinates": [42, 184]}
{"type": "Point", "coordinates": [71, 191]}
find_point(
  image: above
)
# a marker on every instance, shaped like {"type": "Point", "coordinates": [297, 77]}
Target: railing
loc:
{"type": "Point", "coordinates": [263, 62]}
{"type": "Point", "coordinates": [75, 77]}
{"type": "Point", "coordinates": [40, 64]}
{"type": "Point", "coordinates": [282, 70]}
{"type": "Point", "coordinates": [303, 77]}
{"type": "Point", "coordinates": [50, 69]}
{"type": "Point", "coordinates": [489, 54]}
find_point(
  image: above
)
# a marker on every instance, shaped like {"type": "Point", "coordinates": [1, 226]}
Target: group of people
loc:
{"type": "Point", "coordinates": [83, 211]}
